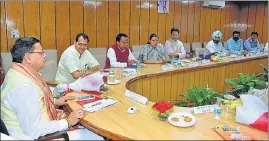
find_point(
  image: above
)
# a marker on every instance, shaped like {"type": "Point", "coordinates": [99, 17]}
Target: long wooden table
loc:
{"type": "Point", "coordinates": [115, 123]}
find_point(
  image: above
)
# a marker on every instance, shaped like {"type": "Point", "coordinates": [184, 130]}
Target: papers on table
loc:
{"type": "Point", "coordinates": [100, 104]}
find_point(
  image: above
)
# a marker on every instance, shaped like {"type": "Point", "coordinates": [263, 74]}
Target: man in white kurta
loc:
{"type": "Point", "coordinates": [27, 106]}
{"type": "Point", "coordinates": [76, 61]}
{"type": "Point", "coordinates": [215, 45]}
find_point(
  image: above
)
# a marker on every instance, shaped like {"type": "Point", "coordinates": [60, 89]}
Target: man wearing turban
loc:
{"type": "Point", "coordinates": [215, 45]}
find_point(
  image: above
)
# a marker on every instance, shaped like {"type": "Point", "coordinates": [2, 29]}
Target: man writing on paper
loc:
{"type": "Point", "coordinates": [76, 61]}
{"type": "Point", "coordinates": [119, 55]}
{"type": "Point", "coordinates": [27, 104]}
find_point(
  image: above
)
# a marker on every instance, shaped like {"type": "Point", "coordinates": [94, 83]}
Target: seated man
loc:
{"type": "Point", "coordinates": [27, 104]}
{"type": "Point", "coordinates": [252, 44]}
{"type": "Point", "coordinates": [215, 45]}
{"type": "Point", "coordinates": [235, 44]}
{"type": "Point", "coordinates": [152, 52]}
{"type": "Point", "coordinates": [119, 55]}
{"type": "Point", "coordinates": [173, 47]}
{"type": "Point", "coordinates": [76, 61]}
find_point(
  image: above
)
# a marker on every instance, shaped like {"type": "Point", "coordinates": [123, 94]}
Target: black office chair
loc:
{"type": "Point", "coordinates": [56, 135]}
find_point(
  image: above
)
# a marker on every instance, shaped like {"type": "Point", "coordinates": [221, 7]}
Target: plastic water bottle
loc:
{"type": "Point", "coordinates": [217, 109]}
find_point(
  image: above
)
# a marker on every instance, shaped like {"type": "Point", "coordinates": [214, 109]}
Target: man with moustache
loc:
{"type": "Point", "coordinates": [235, 44]}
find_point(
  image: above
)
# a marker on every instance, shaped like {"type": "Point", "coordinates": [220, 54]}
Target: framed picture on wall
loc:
{"type": "Point", "coordinates": [163, 6]}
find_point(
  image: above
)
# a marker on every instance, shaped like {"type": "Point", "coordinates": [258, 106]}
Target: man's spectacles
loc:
{"type": "Point", "coordinates": [39, 52]}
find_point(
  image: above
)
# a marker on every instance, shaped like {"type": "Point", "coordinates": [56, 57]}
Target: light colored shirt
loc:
{"type": "Point", "coordinates": [177, 47]}
{"type": "Point", "coordinates": [233, 46]}
{"type": "Point", "coordinates": [150, 53]}
{"type": "Point", "coordinates": [212, 47]}
{"type": "Point", "coordinates": [252, 45]}
{"type": "Point", "coordinates": [71, 61]}
{"type": "Point", "coordinates": [24, 101]}
{"type": "Point", "coordinates": [113, 59]}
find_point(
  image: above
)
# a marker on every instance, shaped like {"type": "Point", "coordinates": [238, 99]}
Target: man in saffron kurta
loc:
{"type": "Point", "coordinates": [27, 104]}
{"type": "Point", "coordinates": [119, 55]}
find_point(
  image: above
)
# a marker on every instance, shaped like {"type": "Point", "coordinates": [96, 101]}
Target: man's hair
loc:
{"type": "Point", "coordinates": [254, 33]}
{"type": "Point", "coordinates": [236, 32]}
{"type": "Point", "coordinates": [21, 47]}
{"type": "Point", "coordinates": [83, 35]}
{"type": "Point", "coordinates": [119, 36]}
{"type": "Point", "coordinates": [174, 29]}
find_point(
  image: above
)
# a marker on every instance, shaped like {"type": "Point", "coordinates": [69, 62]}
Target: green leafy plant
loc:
{"type": "Point", "coordinates": [263, 75]}
{"type": "Point", "coordinates": [197, 96]}
{"type": "Point", "coordinates": [244, 82]}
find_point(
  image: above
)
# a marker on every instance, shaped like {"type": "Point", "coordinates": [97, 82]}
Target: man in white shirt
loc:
{"type": "Point", "coordinates": [76, 61]}
{"type": "Point", "coordinates": [119, 55]}
{"type": "Point", "coordinates": [27, 104]}
{"type": "Point", "coordinates": [215, 45]}
{"type": "Point", "coordinates": [173, 47]}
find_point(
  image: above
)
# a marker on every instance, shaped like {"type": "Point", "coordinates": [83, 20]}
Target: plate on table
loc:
{"type": "Point", "coordinates": [113, 83]}
{"type": "Point", "coordinates": [182, 119]}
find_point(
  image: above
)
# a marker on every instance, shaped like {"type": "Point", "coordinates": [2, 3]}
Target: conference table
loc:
{"type": "Point", "coordinates": [116, 123]}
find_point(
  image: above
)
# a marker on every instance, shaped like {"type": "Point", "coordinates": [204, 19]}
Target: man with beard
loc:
{"type": "Point", "coordinates": [235, 44]}
{"type": "Point", "coordinates": [252, 44]}
{"type": "Point", "coordinates": [215, 45]}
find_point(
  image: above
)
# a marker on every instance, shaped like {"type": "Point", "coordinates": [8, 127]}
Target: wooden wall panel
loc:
{"type": "Point", "coordinates": [244, 20]}
{"type": "Point", "coordinates": [251, 18]}
{"type": "Point", "coordinates": [153, 18]}
{"type": "Point", "coordinates": [3, 28]}
{"type": "Point", "coordinates": [197, 18]}
{"type": "Point", "coordinates": [265, 25]}
{"type": "Point", "coordinates": [76, 19]}
{"type": "Point", "coordinates": [31, 19]}
{"type": "Point", "coordinates": [62, 27]}
{"type": "Point", "coordinates": [191, 16]}
{"type": "Point", "coordinates": [47, 24]}
{"type": "Point", "coordinates": [184, 22]}
{"type": "Point", "coordinates": [14, 19]}
{"type": "Point", "coordinates": [167, 87]}
{"type": "Point", "coordinates": [144, 22]}
{"type": "Point", "coordinates": [90, 21]}
{"type": "Point", "coordinates": [174, 87]}
{"type": "Point", "coordinates": [103, 20]}
{"type": "Point", "coordinates": [154, 92]}
{"type": "Point", "coordinates": [177, 16]}
{"type": "Point", "coordinates": [114, 21]}
{"type": "Point", "coordinates": [125, 9]}
{"type": "Point", "coordinates": [259, 19]}
{"type": "Point", "coordinates": [170, 20]}
{"type": "Point", "coordinates": [102, 24]}
{"type": "Point", "coordinates": [203, 25]}
{"type": "Point", "coordinates": [134, 24]}
{"type": "Point", "coordinates": [161, 28]}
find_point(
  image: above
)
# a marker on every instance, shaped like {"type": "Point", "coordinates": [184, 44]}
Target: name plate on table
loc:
{"type": "Point", "coordinates": [167, 67]}
{"type": "Point", "coordinates": [136, 97]}
{"type": "Point", "coordinates": [129, 72]}
{"type": "Point", "coordinates": [193, 64]}
{"type": "Point", "coordinates": [205, 61]}
{"type": "Point", "coordinates": [99, 104]}
{"type": "Point", "coordinates": [203, 109]}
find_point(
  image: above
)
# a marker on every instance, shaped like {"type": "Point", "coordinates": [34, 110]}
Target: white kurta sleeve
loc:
{"type": "Point", "coordinates": [113, 60]}
{"type": "Point", "coordinates": [24, 102]}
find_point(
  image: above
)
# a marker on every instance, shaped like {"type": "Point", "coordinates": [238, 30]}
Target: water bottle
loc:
{"type": "Point", "coordinates": [217, 109]}
{"type": "Point", "coordinates": [111, 76]}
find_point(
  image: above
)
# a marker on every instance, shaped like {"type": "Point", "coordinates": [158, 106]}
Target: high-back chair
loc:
{"type": "Point", "coordinates": [187, 48]}
{"type": "Point", "coordinates": [136, 50]}
{"type": "Point", "coordinates": [100, 55]}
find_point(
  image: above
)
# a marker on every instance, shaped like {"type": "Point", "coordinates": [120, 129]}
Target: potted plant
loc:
{"type": "Point", "coordinates": [244, 83]}
{"type": "Point", "coordinates": [198, 96]}
{"type": "Point", "coordinates": [263, 75]}
{"type": "Point", "coordinates": [163, 109]}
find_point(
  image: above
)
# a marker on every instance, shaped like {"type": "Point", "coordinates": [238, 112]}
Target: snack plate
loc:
{"type": "Point", "coordinates": [182, 119]}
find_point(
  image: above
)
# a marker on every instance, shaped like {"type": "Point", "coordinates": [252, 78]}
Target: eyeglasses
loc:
{"type": "Point", "coordinates": [39, 52]}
